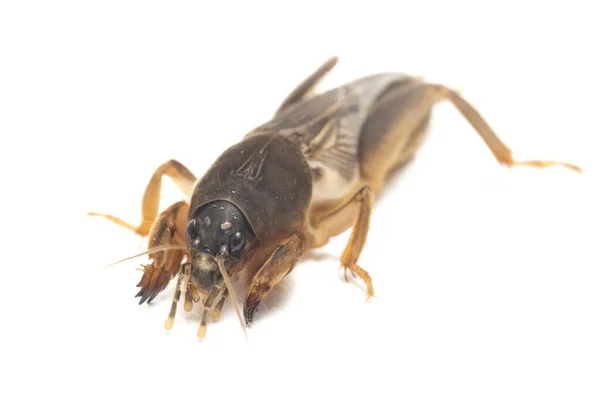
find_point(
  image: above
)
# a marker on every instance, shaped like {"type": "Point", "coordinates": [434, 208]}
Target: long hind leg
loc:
{"type": "Point", "coordinates": [502, 153]}
{"type": "Point", "coordinates": [395, 118]}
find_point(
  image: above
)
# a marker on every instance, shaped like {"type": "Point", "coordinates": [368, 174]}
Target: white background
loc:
{"type": "Point", "coordinates": [487, 279]}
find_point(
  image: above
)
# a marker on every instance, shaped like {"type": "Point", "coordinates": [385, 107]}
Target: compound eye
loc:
{"type": "Point", "coordinates": [192, 229]}
{"type": "Point", "coordinates": [236, 244]}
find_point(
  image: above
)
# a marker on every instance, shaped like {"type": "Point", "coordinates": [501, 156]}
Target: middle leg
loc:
{"type": "Point", "coordinates": [183, 178]}
{"type": "Point", "coordinates": [356, 213]}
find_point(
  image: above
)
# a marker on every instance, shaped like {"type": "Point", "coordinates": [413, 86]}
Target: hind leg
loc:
{"type": "Point", "coordinates": [391, 133]}
{"type": "Point", "coordinates": [502, 153]}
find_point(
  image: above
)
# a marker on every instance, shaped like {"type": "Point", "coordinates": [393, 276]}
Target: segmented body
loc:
{"type": "Point", "coordinates": [327, 127]}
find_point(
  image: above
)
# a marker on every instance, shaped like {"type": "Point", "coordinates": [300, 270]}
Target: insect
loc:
{"type": "Point", "coordinates": [289, 185]}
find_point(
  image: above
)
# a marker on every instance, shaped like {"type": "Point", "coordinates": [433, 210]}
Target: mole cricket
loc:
{"type": "Point", "coordinates": [291, 184]}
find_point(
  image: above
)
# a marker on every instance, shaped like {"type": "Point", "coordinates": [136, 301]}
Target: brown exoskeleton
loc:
{"type": "Point", "coordinates": [288, 186]}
